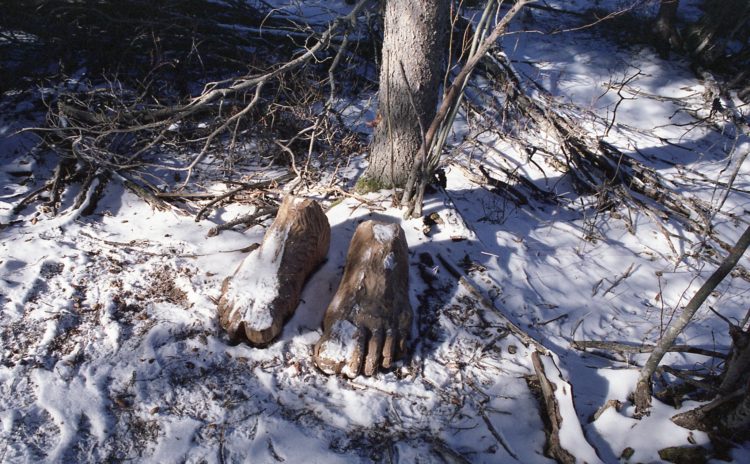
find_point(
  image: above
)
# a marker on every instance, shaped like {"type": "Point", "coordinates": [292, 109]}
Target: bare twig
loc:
{"type": "Point", "coordinates": [246, 219]}
{"type": "Point", "coordinates": [498, 436]}
{"type": "Point", "coordinates": [120, 129]}
{"type": "Point", "coordinates": [523, 336]}
{"type": "Point", "coordinates": [254, 186]}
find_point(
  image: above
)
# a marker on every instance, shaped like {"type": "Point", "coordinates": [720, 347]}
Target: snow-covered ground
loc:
{"type": "Point", "coordinates": [110, 347]}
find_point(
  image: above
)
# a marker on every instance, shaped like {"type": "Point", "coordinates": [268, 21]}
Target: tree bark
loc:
{"type": "Point", "coordinates": [415, 39]}
{"type": "Point", "coordinates": [739, 418]}
{"type": "Point", "coordinates": [666, 34]}
{"type": "Point", "coordinates": [643, 387]}
{"type": "Point", "coordinates": [735, 383]}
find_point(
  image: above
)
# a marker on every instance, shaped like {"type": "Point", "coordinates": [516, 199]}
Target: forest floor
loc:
{"type": "Point", "coordinates": [110, 346]}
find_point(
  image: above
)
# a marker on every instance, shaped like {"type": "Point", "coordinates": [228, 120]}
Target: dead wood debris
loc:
{"type": "Point", "coordinates": [525, 338]}
{"type": "Point", "coordinates": [271, 183]}
{"type": "Point", "coordinates": [703, 417]}
{"type": "Point", "coordinates": [553, 448]}
{"type": "Point", "coordinates": [684, 454]}
{"type": "Point", "coordinates": [621, 347]}
{"type": "Point", "coordinates": [246, 219]}
{"type": "Point", "coordinates": [500, 439]}
{"type": "Point", "coordinates": [594, 165]}
{"type": "Point", "coordinates": [617, 404]}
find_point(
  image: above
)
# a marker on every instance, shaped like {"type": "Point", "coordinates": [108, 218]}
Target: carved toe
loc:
{"type": "Point", "coordinates": [371, 303]}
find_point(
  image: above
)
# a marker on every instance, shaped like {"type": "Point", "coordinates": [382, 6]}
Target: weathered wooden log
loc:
{"type": "Point", "coordinates": [265, 289]}
{"type": "Point", "coordinates": [367, 324]}
{"type": "Point", "coordinates": [708, 416]}
{"type": "Point", "coordinates": [553, 448]}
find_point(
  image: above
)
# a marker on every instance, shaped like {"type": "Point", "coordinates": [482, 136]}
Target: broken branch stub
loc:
{"type": "Point", "coordinates": [265, 289]}
{"type": "Point", "coordinates": [368, 322]}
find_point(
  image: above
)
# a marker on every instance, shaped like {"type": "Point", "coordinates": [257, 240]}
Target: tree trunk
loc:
{"type": "Point", "coordinates": [415, 41]}
{"type": "Point", "coordinates": [666, 34]}
{"type": "Point", "coordinates": [643, 387]}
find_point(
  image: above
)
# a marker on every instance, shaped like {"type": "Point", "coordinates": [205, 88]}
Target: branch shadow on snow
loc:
{"type": "Point", "coordinates": [360, 407]}
{"type": "Point", "coordinates": [230, 393]}
{"type": "Point", "coordinates": [182, 383]}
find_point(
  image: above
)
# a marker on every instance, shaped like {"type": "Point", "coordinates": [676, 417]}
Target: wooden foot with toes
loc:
{"type": "Point", "coordinates": [368, 322]}
{"type": "Point", "coordinates": [265, 289]}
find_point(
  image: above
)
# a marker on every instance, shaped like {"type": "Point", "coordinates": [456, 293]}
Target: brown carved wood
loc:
{"type": "Point", "coordinates": [306, 238]}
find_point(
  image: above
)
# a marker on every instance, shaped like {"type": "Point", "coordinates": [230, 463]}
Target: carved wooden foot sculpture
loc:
{"type": "Point", "coordinates": [369, 320]}
{"type": "Point", "coordinates": [265, 289]}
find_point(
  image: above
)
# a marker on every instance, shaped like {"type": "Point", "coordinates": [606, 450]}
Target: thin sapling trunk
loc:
{"type": "Point", "coordinates": [643, 387]}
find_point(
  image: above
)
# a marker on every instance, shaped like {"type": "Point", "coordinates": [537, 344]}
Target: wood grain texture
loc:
{"type": "Point", "coordinates": [374, 297]}
{"type": "Point", "coordinates": [307, 238]}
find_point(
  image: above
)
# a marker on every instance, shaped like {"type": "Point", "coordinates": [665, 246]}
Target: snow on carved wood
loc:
{"type": "Point", "coordinates": [265, 289]}
{"type": "Point", "coordinates": [367, 324]}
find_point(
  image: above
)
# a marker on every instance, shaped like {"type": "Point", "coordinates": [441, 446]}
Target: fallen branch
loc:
{"type": "Point", "coordinates": [621, 347]}
{"type": "Point", "coordinates": [448, 454]}
{"type": "Point", "coordinates": [97, 184]}
{"type": "Point", "coordinates": [500, 439]}
{"type": "Point", "coordinates": [553, 448]}
{"type": "Point", "coordinates": [525, 338]}
{"type": "Point", "coordinates": [687, 378]}
{"type": "Point", "coordinates": [203, 213]}
{"type": "Point", "coordinates": [145, 195]}
{"type": "Point", "coordinates": [29, 198]}
{"type": "Point", "coordinates": [251, 218]}
{"type": "Point", "coordinates": [499, 186]}
{"type": "Point", "coordinates": [695, 419]}
{"type": "Point", "coordinates": [369, 203]}
{"type": "Point", "coordinates": [594, 165]}
{"type": "Point", "coordinates": [127, 126]}
{"type": "Point", "coordinates": [553, 391]}
{"type": "Point", "coordinates": [619, 279]}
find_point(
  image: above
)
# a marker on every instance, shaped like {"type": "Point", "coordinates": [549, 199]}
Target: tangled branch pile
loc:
{"type": "Point", "coordinates": [559, 135]}
{"type": "Point", "coordinates": [152, 89]}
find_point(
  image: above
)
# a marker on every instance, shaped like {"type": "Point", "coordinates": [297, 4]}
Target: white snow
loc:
{"type": "Point", "coordinates": [648, 435]}
{"type": "Point", "coordinates": [110, 348]}
{"type": "Point", "coordinates": [384, 232]}
{"type": "Point", "coordinates": [340, 346]}
{"type": "Point", "coordinates": [255, 284]}
{"type": "Point", "coordinates": [389, 262]}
